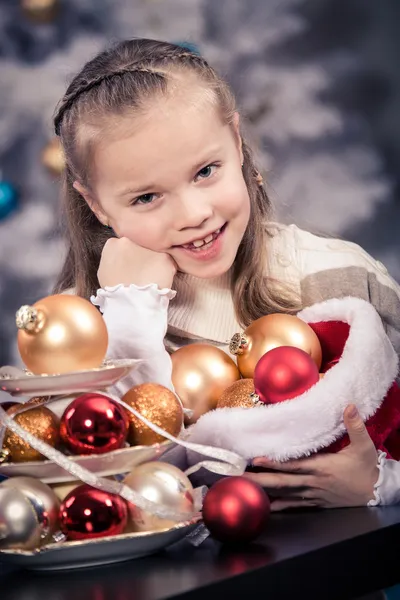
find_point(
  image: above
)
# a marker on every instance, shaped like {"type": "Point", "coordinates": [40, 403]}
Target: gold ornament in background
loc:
{"type": "Point", "coordinates": [238, 395]}
{"type": "Point", "coordinates": [61, 333]}
{"type": "Point", "coordinates": [53, 157]}
{"type": "Point", "coordinates": [270, 332]}
{"type": "Point", "coordinates": [161, 483]}
{"type": "Point", "coordinates": [160, 406]}
{"type": "Point", "coordinates": [40, 11]}
{"type": "Point", "coordinates": [39, 421]}
{"type": "Point", "coordinates": [200, 373]}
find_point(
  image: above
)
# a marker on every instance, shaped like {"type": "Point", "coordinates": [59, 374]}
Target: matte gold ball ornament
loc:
{"type": "Point", "coordinates": [61, 333]}
{"type": "Point", "coordinates": [40, 11]}
{"type": "Point", "coordinates": [160, 406]}
{"type": "Point", "coordinates": [161, 483]}
{"type": "Point", "coordinates": [53, 157]}
{"type": "Point", "coordinates": [240, 394]}
{"type": "Point", "coordinates": [200, 373]}
{"type": "Point", "coordinates": [269, 332]}
{"type": "Point", "coordinates": [39, 421]}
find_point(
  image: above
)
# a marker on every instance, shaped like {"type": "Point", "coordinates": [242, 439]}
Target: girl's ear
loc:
{"type": "Point", "coordinates": [236, 131]}
{"type": "Point", "coordinates": [93, 205]}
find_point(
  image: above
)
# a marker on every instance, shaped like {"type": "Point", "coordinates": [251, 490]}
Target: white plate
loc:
{"type": "Point", "coordinates": [19, 383]}
{"type": "Point", "coordinates": [101, 551]}
{"type": "Point", "coordinates": [111, 463]}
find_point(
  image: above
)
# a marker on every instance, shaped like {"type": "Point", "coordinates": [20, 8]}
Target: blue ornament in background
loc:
{"type": "Point", "coordinates": [189, 46]}
{"type": "Point", "coordinates": [8, 199]}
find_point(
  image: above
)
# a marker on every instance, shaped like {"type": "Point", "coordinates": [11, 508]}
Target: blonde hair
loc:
{"type": "Point", "coordinates": [123, 78]}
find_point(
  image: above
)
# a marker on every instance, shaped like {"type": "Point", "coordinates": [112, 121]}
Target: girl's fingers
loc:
{"type": "Point", "coordinates": [281, 484]}
{"type": "Point", "coordinates": [296, 502]}
{"type": "Point", "coordinates": [301, 466]}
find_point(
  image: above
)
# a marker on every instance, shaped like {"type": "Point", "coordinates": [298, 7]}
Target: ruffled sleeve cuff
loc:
{"type": "Point", "coordinates": [152, 291]}
{"type": "Point", "coordinates": [387, 486]}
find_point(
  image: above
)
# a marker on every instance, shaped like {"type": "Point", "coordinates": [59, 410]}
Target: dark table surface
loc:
{"type": "Point", "coordinates": [335, 554]}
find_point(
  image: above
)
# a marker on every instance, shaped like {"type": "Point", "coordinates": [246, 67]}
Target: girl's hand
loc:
{"type": "Point", "coordinates": [324, 480]}
{"type": "Point", "coordinates": [123, 262]}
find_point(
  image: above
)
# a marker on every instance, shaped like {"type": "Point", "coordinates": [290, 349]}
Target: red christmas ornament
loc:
{"type": "Point", "coordinates": [93, 424]}
{"type": "Point", "coordinates": [284, 373]}
{"type": "Point", "coordinates": [236, 510]}
{"type": "Point", "coordinates": [88, 513]}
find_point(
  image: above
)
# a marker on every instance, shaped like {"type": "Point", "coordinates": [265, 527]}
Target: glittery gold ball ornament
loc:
{"type": "Point", "coordinates": [44, 503]}
{"type": "Point", "coordinates": [61, 333]}
{"type": "Point", "coordinates": [200, 373]}
{"type": "Point", "coordinates": [53, 157]}
{"type": "Point", "coordinates": [39, 421]}
{"type": "Point", "coordinates": [161, 483]}
{"type": "Point", "coordinates": [238, 395]}
{"type": "Point", "coordinates": [40, 11]}
{"type": "Point", "coordinates": [269, 332]}
{"type": "Point", "coordinates": [160, 406]}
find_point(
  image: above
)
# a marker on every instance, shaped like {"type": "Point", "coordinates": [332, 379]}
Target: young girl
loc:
{"type": "Point", "coordinates": [163, 199]}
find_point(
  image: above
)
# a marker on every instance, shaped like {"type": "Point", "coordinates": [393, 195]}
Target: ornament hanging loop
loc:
{"type": "Point", "coordinates": [238, 344]}
{"type": "Point", "coordinates": [29, 319]}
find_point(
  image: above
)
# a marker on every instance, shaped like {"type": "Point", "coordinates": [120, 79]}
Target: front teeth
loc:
{"type": "Point", "coordinates": [197, 243]}
{"type": "Point", "coordinates": [200, 243]}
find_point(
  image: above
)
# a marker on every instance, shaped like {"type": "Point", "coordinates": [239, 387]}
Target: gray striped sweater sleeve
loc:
{"type": "Point", "coordinates": [335, 269]}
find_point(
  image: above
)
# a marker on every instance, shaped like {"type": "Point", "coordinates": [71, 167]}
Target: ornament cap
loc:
{"type": "Point", "coordinates": [255, 398]}
{"type": "Point", "coordinates": [4, 455]}
{"type": "Point", "coordinates": [27, 318]}
{"type": "Point", "coordinates": [238, 344]}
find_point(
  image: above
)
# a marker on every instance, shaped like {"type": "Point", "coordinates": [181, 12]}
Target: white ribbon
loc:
{"type": "Point", "coordinates": [227, 463]}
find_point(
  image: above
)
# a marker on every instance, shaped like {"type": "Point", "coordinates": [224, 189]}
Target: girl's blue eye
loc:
{"type": "Point", "coordinates": [206, 172]}
{"type": "Point", "coordinates": [144, 199]}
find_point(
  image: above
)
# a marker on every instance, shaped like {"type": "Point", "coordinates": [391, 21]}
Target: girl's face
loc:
{"type": "Point", "coordinates": [173, 183]}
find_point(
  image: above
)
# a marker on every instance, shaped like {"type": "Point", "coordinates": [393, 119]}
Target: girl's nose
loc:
{"type": "Point", "coordinates": [193, 211]}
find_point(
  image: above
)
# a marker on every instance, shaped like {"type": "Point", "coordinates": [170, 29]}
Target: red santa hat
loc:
{"type": "Point", "coordinates": [360, 367]}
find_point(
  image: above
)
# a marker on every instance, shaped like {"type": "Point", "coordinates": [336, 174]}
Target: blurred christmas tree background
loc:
{"type": "Point", "coordinates": [317, 81]}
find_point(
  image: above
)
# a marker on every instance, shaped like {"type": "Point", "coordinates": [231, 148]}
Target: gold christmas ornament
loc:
{"type": "Point", "coordinates": [40, 11]}
{"type": "Point", "coordinates": [61, 333]}
{"type": "Point", "coordinates": [161, 483]}
{"type": "Point", "coordinates": [270, 332]}
{"type": "Point", "coordinates": [160, 406]}
{"type": "Point", "coordinates": [240, 394]}
{"type": "Point", "coordinates": [53, 157]}
{"type": "Point", "coordinates": [44, 503]}
{"type": "Point", "coordinates": [39, 421]}
{"type": "Point", "coordinates": [200, 373]}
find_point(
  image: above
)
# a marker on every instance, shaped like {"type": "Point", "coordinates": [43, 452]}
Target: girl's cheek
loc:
{"type": "Point", "coordinates": [146, 236]}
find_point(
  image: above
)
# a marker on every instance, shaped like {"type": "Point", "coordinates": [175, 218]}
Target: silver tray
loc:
{"type": "Point", "coordinates": [101, 551]}
{"type": "Point", "coordinates": [111, 463]}
{"type": "Point", "coordinates": [20, 383]}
